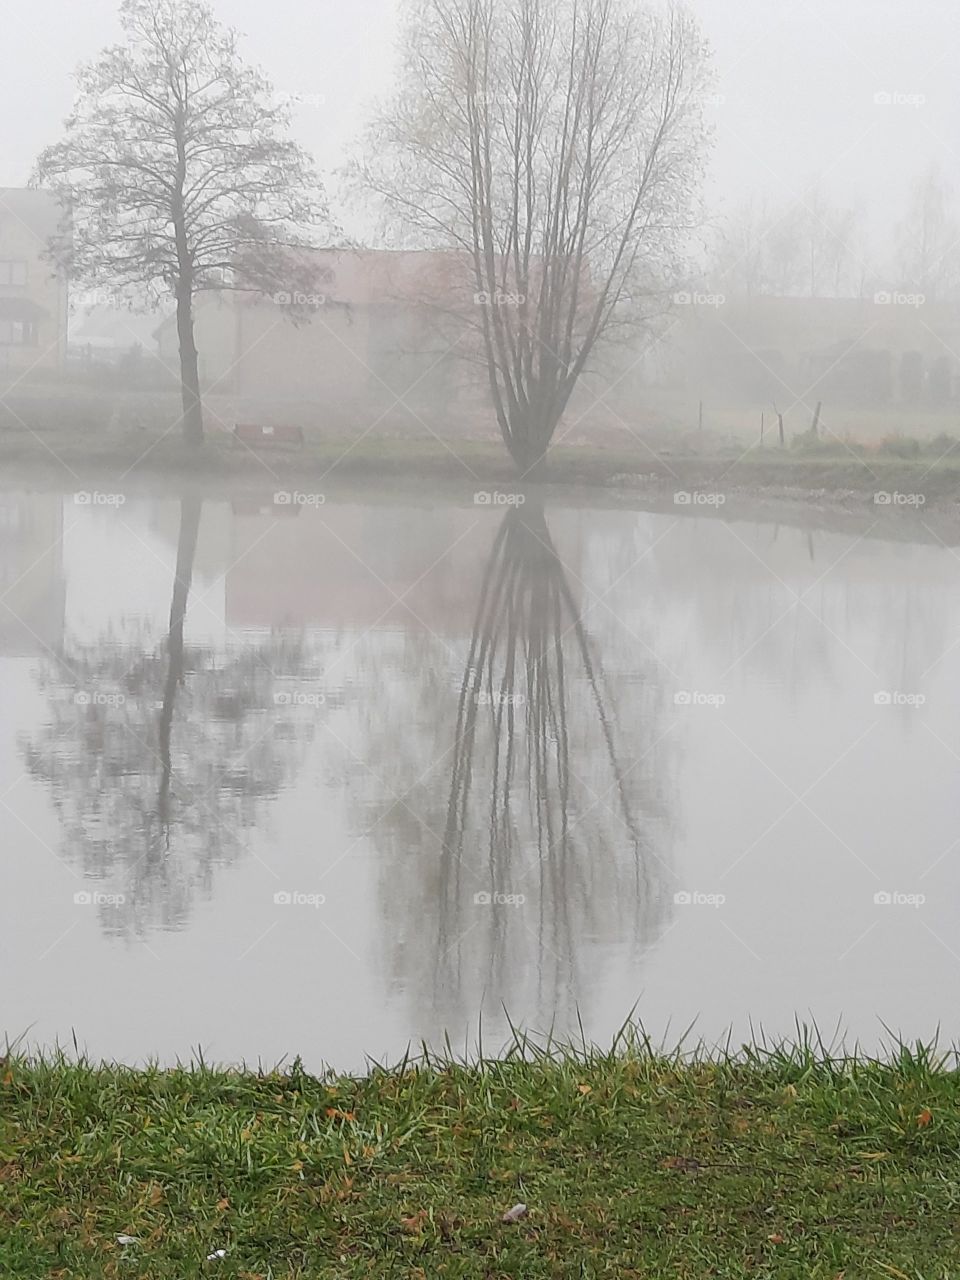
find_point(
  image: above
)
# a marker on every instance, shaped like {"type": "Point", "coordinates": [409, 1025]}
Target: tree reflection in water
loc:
{"type": "Point", "coordinates": [543, 801]}
{"type": "Point", "coordinates": [159, 758]}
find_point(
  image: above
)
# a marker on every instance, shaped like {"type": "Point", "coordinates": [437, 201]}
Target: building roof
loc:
{"type": "Point", "coordinates": [371, 277]}
{"type": "Point", "coordinates": [20, 308]}
{"type": "Point", "coordinates": [35, 208]}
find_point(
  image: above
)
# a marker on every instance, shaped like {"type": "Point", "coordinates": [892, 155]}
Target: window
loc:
{"type": "Point", "coordinates": [18, 333]}
{"type": "Point", "coordinates": [12, 272]}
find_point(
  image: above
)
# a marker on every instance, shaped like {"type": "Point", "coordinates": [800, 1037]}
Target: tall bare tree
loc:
{"type": "Point", "coordinates": [810, 247]}
{"type": "Point", "coordinates": [178, 174]}
{"type": "Point", "coordinates": [928, 240]}
{"type": "Point", "coordinates": [558, 146]}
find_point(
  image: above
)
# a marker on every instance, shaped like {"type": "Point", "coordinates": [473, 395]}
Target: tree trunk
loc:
{"type": "Point", "coordinates": [190, 508]}
{"type": "Point", "coordinates": [189, 368]}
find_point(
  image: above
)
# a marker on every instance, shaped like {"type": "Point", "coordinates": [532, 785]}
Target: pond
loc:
{"type": "Point", "coordinates": [332, 778]}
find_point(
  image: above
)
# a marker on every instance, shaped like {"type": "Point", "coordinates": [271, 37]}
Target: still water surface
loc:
{"type": "Point", "coordinates": [331, 779]}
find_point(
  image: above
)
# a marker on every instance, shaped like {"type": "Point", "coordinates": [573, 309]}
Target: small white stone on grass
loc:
{"type": "Point", "coordinates": [217, 1253]}
{"type": "Point", "coordinates": [515, 1214]}
{"type": "Point", "coordinates": [127, 1240]}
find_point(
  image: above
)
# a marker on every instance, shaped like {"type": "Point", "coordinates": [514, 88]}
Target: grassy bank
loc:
{"type": "Point", "coordinates": [650, 467]}
{"type": "Point", "coordinates": [773, 1164]}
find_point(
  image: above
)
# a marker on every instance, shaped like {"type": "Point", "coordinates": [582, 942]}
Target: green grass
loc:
{"type": "Point", "coordinates": [464, 465]}
{"type": "Point", "coordinates": [778, 1162]}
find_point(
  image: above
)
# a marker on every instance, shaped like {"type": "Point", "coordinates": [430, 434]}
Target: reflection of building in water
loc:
{"type": "Point", "coordinates": [344, 566]}
{"type": "Point", "coordinates": [32, 589]}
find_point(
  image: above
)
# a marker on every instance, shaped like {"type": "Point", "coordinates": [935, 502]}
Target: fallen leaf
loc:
{"type": "Point", "coordinates": [776, 1238]}
{"type": "Point", "coordinates": [584, 1088]}
{"type": "Point", "coordinates": [414, 1224]}
{"type": "Point", "coordinates": [223, 1204]}
{"type": "Point", "coordinates": [515, 1214]}
{"type": "Point", "coordinates": [924, 1118]}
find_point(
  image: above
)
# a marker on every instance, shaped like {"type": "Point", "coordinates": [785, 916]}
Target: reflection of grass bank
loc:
{"type": "Point", "coordinates": [775, 1165]}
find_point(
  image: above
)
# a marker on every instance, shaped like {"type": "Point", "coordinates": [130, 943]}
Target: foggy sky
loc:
{"type": "Point", "coordinates": [797, 83]}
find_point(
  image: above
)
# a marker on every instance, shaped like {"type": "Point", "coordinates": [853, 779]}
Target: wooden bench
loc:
{"type": "Point", "coordinates": [258, 437]}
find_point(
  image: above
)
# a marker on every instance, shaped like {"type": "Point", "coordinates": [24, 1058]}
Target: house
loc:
{"type": "Point", "coordinates": [887, 349]}
{"type": "Point", "coordinates": [365, 327]}
{"type": "Point", "coordinates": [33, 292]}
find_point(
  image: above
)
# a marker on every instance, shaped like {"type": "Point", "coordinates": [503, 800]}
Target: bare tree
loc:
{"type": "Point", "coordinates": [558, 147]}
{"type": "Point", "coordinates": [928, 239]}
{"type": "Point", "coordinates": [177, 173]}
{"type": "Point", "coordinates": [811, 247]}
